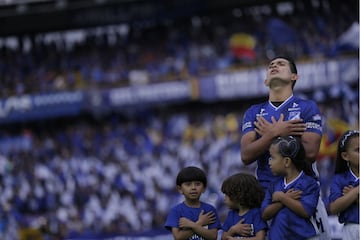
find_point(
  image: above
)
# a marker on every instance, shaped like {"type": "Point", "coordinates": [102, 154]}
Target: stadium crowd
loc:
{"type": "Point", "coordinates": [89, 176]}
{"type": "Point", "coordinates": [172, 49]}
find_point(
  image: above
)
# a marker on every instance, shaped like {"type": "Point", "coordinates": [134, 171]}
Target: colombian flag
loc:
{"type": "Point", "coordinates": [336, 127]}
{"type": "Point", "coordinates": [242, 46]}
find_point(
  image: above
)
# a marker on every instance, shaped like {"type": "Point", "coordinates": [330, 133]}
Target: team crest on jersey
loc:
{"type": "Point", "coordinates": [294, 115]}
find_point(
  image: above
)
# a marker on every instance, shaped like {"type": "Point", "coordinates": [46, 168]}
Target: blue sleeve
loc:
{"type": "Point", "coordinates": [248, 120]}
{"type": "Point", "coordinates": [310, 196]}
{"type": "Point", "coordinates": [268, 197]}
{"type": "Point", "coordinates": [228, 223]}
{"type": "Point", "coordinates": [259, 223]}
{"type": "Point", "coordinates": [217, 223]}
{"type": "Point", "coordinates": [312, 117]}
{"type": "Point", "coordinates": [335, 188]}
{"type": "Point", "coordinates": [172, 219]}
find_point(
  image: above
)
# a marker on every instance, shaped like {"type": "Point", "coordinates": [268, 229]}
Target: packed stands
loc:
{"type": "Point", "coordinates": [175, 49]}
{"type": "Point", "coordinates": [115, 175]}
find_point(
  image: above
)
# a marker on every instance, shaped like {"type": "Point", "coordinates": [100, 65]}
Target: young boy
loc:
{"type": "Point", "coordinates": [192, 218]}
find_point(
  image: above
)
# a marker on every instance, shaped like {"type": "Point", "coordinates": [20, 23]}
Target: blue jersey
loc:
{"type": "Point", "coordinates": [286, 224]}
{"type": "Point", "coordinates": [293, 108]}
{"type": "Point", "coordinates": [338, 182]}
{"type": "Point", "coordinates": [253, 216]}
{"type": "Point", "coordinates": [182, 210]}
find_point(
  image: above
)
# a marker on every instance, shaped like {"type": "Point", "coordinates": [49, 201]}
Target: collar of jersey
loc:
{"type": "Point", "coordinates": [276, 108]}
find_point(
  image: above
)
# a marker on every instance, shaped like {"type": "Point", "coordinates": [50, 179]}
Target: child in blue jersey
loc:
{"type": "Point", "coordinates": [344, 188]}
{"type": "Point", "coordinates": [290, 202]}
{"type": "Point", "coordinates": [243, 196]}
{"type": "Point", "coordinates": [192, 219]}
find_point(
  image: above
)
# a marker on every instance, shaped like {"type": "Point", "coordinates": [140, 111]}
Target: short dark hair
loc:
{"type": "Point", "coordinates": [291, 61]}
{"type": "Point", "coordinates": [189, 174]}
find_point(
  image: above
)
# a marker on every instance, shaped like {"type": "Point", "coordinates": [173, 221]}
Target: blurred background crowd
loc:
{"type": "Point", "coordinates": [115, 174]}
{"type": "Point", "coordinates": [176, 48]}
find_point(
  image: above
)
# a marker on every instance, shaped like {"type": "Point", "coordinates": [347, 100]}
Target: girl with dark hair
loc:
{"type": "Point", "coordinates": [290, 202]}
{"type": "Point", "coordinates": [344, 187]}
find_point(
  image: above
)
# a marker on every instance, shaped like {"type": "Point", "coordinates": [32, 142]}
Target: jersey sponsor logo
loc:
{"type": "Point", "coordinates": [246, 125]}
{"type": "Point", "coordinates": [317, 117]}
{"type": "Point", "coordinates": [313, 125]}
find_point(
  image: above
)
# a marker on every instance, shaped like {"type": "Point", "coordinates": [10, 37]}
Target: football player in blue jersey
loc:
{"type": "Point", "coordinates": [344, 187]}
{"type": "Point", "coordinates": [283, 114]}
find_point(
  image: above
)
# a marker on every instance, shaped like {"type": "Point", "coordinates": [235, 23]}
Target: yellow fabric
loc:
{"type": "Point", "coordinates": [242, 40]}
